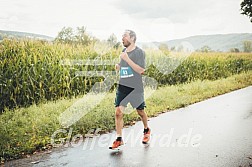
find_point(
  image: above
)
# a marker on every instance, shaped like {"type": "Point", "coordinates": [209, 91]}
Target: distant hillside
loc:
{"type": "Point", "coordinates": [218, 42]}
{"type": "Point", "coordinates": [221, 42]}
{"type": "Point", "coordinates": [16, 34]}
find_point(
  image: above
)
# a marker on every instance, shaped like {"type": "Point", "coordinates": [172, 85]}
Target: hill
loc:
{"type": "Point", "coordinates": [217, 42]}
{"type": "Point", "coordinates": [16, 34]}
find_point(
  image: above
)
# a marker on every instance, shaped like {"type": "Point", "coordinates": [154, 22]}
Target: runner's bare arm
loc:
{"type": "Point", "coordinates": [117, 67]}
{"type": "Point", "coordinates": [133, 65]}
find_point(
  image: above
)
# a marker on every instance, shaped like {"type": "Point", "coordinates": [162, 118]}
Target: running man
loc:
{"type": "Point", "coordinates": [130, 89]}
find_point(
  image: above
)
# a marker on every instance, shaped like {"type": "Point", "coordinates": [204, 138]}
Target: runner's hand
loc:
{"type": "Point", "coordinates": [124, 56]}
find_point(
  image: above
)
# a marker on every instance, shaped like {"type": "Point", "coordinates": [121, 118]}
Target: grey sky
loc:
{"type": "Point", "coordinates": [152, 20]}
{"type": "Point", "coordinates": [175, 10]}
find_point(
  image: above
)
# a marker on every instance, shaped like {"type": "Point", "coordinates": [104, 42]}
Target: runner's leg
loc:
{"type": "Point", "coordinates": [119, 120]}
{"type": "Point", "coordinates": [144, 117]}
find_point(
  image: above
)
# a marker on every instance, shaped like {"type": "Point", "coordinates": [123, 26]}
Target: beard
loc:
{"type": "Point", "coordinates": [126, 44]}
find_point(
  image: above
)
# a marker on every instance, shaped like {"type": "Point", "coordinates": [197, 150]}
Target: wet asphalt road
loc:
{"type": "Point", "coordinates": [216, 132]}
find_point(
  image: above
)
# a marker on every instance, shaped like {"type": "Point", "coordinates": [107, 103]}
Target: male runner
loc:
{"type": "Point", "coordinates": [130, 89]}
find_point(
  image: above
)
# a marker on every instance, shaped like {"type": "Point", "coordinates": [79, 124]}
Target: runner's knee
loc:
{"type": "Point", "coordinates": [141, 112]}
{"type": "Point", "coordinates": [118, 112]}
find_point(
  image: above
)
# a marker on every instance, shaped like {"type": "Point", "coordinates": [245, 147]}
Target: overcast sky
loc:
{"type": "Point", "coordinates": [158, 20]}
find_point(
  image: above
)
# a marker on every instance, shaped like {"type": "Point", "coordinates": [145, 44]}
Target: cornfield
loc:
{"type": "Point", "coordinates": [32, 71]}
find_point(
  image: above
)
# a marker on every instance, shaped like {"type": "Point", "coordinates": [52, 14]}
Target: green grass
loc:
{"type": "Point", "coordinates": [25, 130]}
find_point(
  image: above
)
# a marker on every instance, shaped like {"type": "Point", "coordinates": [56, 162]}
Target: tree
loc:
{"type": "Point", "coordinates": [173, 48]}
{"type": "Point", "coordinates": [247, 46]}
{"type": "Point", "coordinates": [112, 41]}
{"type": "Point", "coordinates": [69, 36]}
{"type": "Point", "coordinates": [234, 50]}
{"type": "Point", "coordinates": [246, 7]}
{"type": "Point", "coordinates": [82, 37]}
{"type": "Point", "coordinates": [66, 35]}
{"type": "Point", "coordinates": [205, 49]}
{"type": "Point", "coordinates": [164, 48]}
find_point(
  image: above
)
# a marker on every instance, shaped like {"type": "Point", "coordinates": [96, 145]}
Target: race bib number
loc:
{"type": "Point", "coordinates": [126, 72]}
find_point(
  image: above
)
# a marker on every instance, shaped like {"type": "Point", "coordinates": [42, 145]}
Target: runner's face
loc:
{"type": "Point", "coordinates": [126, 39]}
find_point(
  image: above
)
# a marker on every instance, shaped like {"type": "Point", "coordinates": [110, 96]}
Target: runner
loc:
{"type": "Point", "coordinates": [130, 88]}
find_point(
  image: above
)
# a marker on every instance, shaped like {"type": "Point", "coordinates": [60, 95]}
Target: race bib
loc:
{"type": "Point", "coordinates": [126, 72]}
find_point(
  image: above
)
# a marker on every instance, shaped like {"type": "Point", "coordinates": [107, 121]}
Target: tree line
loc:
{"type": "Point", "coordinates": [80, 36]}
